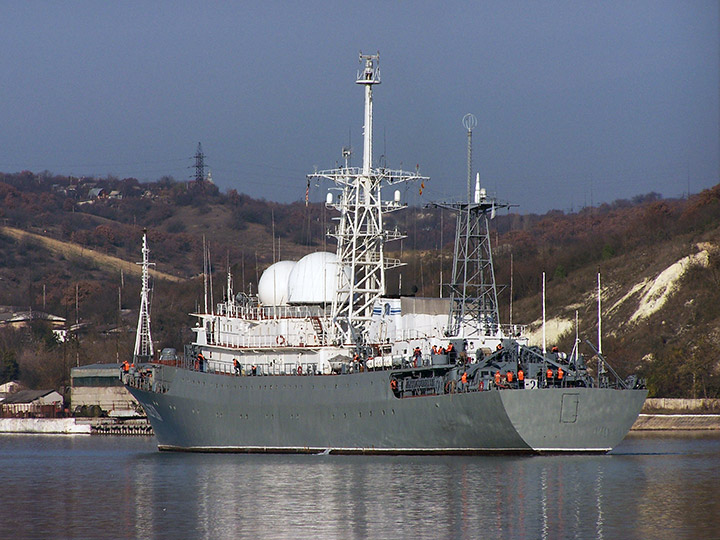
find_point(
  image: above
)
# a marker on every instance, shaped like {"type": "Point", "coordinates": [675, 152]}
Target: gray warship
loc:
{"type": "Point", "coordinates": [321, 360]}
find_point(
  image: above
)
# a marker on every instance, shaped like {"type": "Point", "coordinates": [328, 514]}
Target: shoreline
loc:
{"type": "Point", "coordinates": [676, 421]}
{"type": "Point", "coordinates": [76, 426]}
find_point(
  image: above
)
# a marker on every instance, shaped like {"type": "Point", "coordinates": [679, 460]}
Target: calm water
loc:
{"type": "Point", "coordinates": [651, 486]}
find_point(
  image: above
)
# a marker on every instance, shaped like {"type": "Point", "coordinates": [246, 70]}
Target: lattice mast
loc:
{"type": "Point", "coordinates": [473, 292]}
{"type": "Point", "coordinates": [199, 164]}
{"type": "Point", "coordinates": [360, 233]}
{"type": "Point", "coordinates": [143, 339]}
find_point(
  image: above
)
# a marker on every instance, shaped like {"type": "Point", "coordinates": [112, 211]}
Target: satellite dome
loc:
{"type": "Point", "coordinates": [273, 284]}
{"type": "Point", "coordinates": [314, 279]}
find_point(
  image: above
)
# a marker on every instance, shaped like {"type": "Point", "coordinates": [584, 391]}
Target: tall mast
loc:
{"type": "Point", "coordinates": [143, 340]}
{"type": "Point", "coordinates": [473, 293]}
{"type": "Point", "coordinates": [360, 233]}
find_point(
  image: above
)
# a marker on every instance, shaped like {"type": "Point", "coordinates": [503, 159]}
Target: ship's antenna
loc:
{"type": "Point", "coordinates": [230, 299]}
{"type": "Point", "coordinates": [543, 315]}
{"type": "Point", "coordinates": [577, 339]}
{"type": "Point", "coordinates": [601, 362]}
{"type": "Point", "coordinates": [143, 340]}
{"type": "Point", "coordinates": [440, 252]}
{"type": "Point", "coordinates": [511, 289]}
{"type": "Point", "coordinates": [205, 274]}
{"type": "Point", "coordinates": [469, 122]}
{"type": "Point", "coordinates": [210, 272]}
{"type": "Point", "coordinates": [599, 314]}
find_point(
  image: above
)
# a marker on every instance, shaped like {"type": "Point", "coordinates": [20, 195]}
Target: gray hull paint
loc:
{"type": "Point", "coordinates": [359, 414]}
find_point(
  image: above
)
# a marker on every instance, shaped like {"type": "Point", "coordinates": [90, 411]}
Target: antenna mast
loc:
{"type": "Point", "coordinates": [360, 233]}
{"type": "Point", "coordinates": [473, 294]}
{"type": "Point", "coordinates": [469, 122]}
{"type": "Point", "coordinates": [143, 340]}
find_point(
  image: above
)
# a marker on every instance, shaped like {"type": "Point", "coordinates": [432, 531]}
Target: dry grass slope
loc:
{"type": "Point", "coordinates": [68, 249]}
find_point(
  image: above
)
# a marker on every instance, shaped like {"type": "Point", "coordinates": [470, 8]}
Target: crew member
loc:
{"type": "Point", "coordinates": [521, 378]}
{"type": "Point", "coordinates": [549, 376]}
{"type": "Point", "coordinates": [463, 380]}
{"type": "Point", "coordinates": [236, 366]}
{"type": "Point", "coordinates": [560, 374]}
{"type": "Point", "coordinates": [201, 362]}
{"type": "Point", "coordinates": [510, 376]}
{"type": "Point", "coordinates": [497, 378]}
{"type": "Point", "coordinates": [417, 355]}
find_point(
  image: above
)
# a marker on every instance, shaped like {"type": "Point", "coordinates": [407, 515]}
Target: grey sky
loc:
{"type": "Point", "coordinates": [577, 102]}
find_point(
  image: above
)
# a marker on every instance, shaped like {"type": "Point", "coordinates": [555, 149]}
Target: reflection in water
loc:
{"type": "Point", "coordinates": [65, 487]}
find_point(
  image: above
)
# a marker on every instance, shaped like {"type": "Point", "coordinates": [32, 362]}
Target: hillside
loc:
{"type": "Point", "coordinates": [63, 248]}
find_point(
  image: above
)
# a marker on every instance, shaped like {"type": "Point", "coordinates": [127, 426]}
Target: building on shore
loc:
{"type": "Point", "coordinates": [96, 389]}
{"type": "Point", "coordinates": [32, 403]}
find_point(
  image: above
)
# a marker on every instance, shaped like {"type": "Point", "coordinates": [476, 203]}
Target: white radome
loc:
{"type": "Point", "coordinates": [313, 280]}
{"type": "Point", "coordinates": [273, 284]}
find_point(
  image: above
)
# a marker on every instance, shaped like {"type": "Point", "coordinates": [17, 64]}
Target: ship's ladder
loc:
{"type": "Point", "coordinates": [317, 326]}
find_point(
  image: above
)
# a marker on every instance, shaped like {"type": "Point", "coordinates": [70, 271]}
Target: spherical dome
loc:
{"type": "Point", "coordinates": [314, 279]}
{"type": "Point", "coordinates": [273, 284]}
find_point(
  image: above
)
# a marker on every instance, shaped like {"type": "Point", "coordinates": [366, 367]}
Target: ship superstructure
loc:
{"type": "Point", "coordinates": [320, 360]}
{"type": "Point", "coordinates": [326, 309]}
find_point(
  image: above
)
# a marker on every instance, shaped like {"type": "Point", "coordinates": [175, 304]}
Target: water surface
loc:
{"type": "Point", "coordinates": [651, 486]}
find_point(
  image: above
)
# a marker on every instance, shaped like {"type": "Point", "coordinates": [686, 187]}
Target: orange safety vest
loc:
{"type": "Point", "coordinates": [464, 377]}
{"type": "Point", "coordinates": [560, 374]}
{"type": "Point", "coordinates": [509, 376]}
{"type": "Point", "coordinates": [521, 375]}
{"type": "Point", "coordinates": [549, 374]}
{"type": "Point", "coordinates": [497, 377]}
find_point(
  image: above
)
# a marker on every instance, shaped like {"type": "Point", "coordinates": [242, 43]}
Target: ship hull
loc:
{"type": "Point", "coordinates": [358, 413]}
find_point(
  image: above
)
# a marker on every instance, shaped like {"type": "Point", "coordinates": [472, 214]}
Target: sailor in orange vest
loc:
{"type": "Point", "coordinates": [497, 378]}
{"type": "Point", "coordinates": [549, 377]}
{"type": "Point", "coordinates": [560, 374]}
{"type": "Point", "coordinates": [417, 357]}
{"type": "Point", "coordinates": [463, 380]}
{"type": "Point", "coordinates": [521, 378]}
{"type": "Point", "coordinates": [510, 377]}
{"type": "Point", "coordinates": [125, 366]}
{"type": "Point", "coordinates": [200, 365]}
